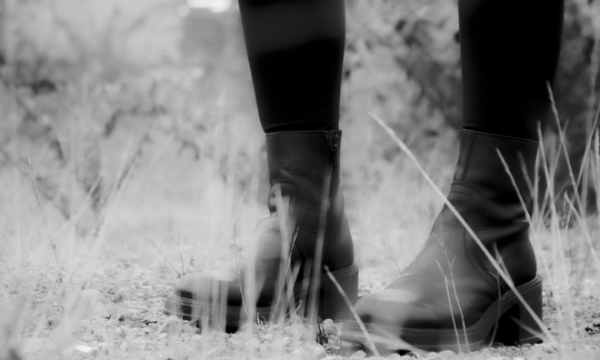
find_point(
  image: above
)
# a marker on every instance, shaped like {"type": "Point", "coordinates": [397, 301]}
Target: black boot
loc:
{"type": "Point", "coordinates": [450, 296]}
{"type": "Point", "coordinates": [304, 169]}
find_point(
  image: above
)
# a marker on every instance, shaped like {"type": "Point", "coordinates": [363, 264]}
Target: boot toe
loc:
{"type": "Point", "coordinates": [384, 315]}
{"type": "Point", "coordinates": [394, 310]}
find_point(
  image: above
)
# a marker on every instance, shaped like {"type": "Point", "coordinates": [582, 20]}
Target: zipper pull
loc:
{"type": "Point", "coordinates": [333, 148]}
{"type": "Point", "coordinates": [334, 142]}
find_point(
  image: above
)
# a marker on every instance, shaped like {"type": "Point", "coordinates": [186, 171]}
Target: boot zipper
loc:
{"type": "Point", "coordinates": [333, 148]}
{"type": "Point", "coordinates": [333, 154]}
{"type": "Point", "coordinates": [334, 141]}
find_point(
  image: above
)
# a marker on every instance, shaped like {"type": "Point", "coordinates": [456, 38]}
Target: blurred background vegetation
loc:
{"type": "Point", "coordinates": [92, 89]}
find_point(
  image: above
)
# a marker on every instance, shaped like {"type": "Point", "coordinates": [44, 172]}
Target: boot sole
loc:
{"type": "Point", "coordinates": [331, 304]}
{"type": "Point", "coordinates": [506, 321]}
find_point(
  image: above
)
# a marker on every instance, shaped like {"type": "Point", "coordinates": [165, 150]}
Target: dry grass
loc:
{"type": "Point", "coordinates": [68, 296]}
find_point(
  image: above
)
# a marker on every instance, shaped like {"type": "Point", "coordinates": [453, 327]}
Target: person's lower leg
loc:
{"type": "Point", "coordinates": [295, 50]}
{"type": "Point", "coordinates": [509, 53]}
{"type": "Point", "coordinates": [452, 296]}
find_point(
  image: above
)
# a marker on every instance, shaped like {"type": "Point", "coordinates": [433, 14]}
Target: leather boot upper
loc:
{"type": "Point", "coordinates": [305, 205]}
{"type": "Point", "coordinates": [452, 280]}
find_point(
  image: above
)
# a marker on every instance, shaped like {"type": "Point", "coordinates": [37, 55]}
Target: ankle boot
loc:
{"type": "Point", "coordinates": [306, 215]}
{"type": "Point", "coordinates": [450, 296]}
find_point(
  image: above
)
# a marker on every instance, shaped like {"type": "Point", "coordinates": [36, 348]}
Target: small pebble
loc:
{"type": "Point", "coordinates": [330, 328]}
{"type": "Point", "coordinates": [171, 326]}
{"type": "Point", "coordinates": [123, 314]}
{"type": "Point", "coordinates": [252, 345]}
{"type": "Point", "coordinates": [318, 351]}
{"type": "Point", "coordinates": [358, 355]}
{"type": "Point", "coordinates": [91, 295]}
{"type": "Point", "coordinates": [447, 354]}
{"type": "Point", "coordinates": [52, 322]}
{"type": "Point", "coordinates": [121, 295]}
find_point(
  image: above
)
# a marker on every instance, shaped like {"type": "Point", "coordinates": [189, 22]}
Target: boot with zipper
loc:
{"type": "Point", "coordinates": [306, 226]}
{"type": "Point", "coordinates": [451, 297]}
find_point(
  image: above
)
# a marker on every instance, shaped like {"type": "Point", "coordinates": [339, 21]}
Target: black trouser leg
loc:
{"type": "Point", "coordinates": [510, 51]}
{"type": "Point", "coordinates": [295, 50]}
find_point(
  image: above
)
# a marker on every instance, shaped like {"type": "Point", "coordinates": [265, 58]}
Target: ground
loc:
{"type": "Point", "coordinates": [102, 296]}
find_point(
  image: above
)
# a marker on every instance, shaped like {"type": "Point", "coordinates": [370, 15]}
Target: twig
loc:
{"type": "Point", "coordinates": [391, 252]}
{"type": "Point", "coordinates": [143, 238]}
{"type": "Point", "coordinates": [37, 197]}
{"type": "Point", "coordinates": [351, 307]}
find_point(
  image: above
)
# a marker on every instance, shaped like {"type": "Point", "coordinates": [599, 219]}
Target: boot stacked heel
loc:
{"type": "Point", "coordinates": [332, 302]}
{"type": "Point", "coordinates": [518, 326]}
{"type": "Point", "coordinates": [506, 321]}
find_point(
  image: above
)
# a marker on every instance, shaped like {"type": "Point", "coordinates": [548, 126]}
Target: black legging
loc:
{"type": "Point", "coordinates": [509, 49]}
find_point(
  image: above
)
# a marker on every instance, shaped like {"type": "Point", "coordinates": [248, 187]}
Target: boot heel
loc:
{"type": "Point", "coordinates": [517, 326]}
{"type": "Point", "coordinates": [332, 304]}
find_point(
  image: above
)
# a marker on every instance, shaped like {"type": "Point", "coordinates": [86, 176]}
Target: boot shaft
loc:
{"type": "Point", "coordinates": [493, 208]}
{"type": "Point", "coordinates": [313, 155]}
{"type": "Point", "coordinates": [304, 167]}
{"type": "Point", "coordinates": [480, 163]}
